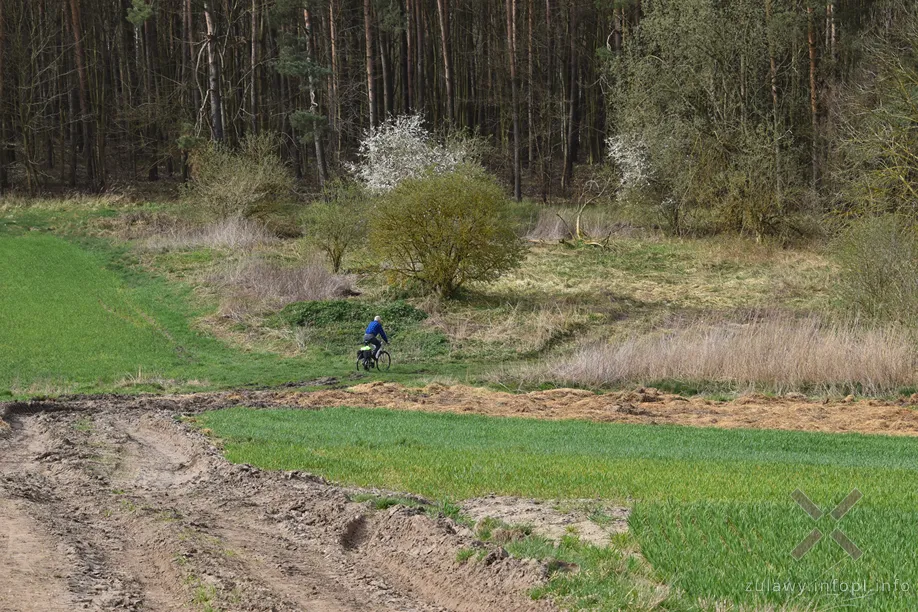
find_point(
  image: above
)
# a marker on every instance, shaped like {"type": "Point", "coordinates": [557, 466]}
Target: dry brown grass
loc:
{"type": "Point", "coordinates": [776, 353]}
{"type": "Point", "coordinates": [521, 329]}
{"type": "Point", "coordinates": [232, 233]}
{"type": "Point", "coordinates": [157, 381]}
{"type": "Point", "coordinates": [255, 285]}
{"type": "Point", "coordinates": [72, 201]}
{"type": "Point", "coordinates": [43, 388]}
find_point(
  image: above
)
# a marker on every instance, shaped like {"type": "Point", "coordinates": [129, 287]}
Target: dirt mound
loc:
{"type": "Point", "coordinates": [420, 554]}
{"type": "Point", "coordinates": [113, 504]}
{"type": "Point", "coordinates": [553, 519]}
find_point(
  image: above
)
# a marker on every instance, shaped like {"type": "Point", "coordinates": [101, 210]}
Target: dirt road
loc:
{"type": "Point", "coordinates": [111, 504]}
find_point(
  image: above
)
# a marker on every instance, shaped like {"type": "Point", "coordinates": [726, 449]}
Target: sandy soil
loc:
{"type": "Point", "coordinates": [107, 505]}
{"type": "Point", "coordinates": [553, 519]}
{"type": "Point", "coordinates": [647, 406]}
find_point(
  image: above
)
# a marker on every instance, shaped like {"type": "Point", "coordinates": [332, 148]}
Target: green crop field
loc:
{"type": "Point", "coordinates": [712, 509]}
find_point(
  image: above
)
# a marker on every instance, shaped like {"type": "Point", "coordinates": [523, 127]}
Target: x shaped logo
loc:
{"type": "Point", "coordinates": [815, 513]}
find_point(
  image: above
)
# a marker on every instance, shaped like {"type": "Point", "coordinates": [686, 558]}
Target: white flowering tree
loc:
{"type": "Point", "coordinates": [402, 148]}
{"type": "Point", "coordinates": [631, 158]}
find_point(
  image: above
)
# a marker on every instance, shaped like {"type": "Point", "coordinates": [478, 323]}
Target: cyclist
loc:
{"type": "Point", "coordinates": [375, 329]}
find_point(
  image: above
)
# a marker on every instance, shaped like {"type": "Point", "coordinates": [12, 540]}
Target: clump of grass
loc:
{"type": "Point", "coordinates": [81, 201]}
{"type": "Point", "coordinates": [448, 508]}
{"type": "Point", "coordinates": [231, 233]}
{"type": "Point", "coordinates": [498, 328]}
{"type": "Point", "coordinates": [145, 379]}
{"type": "Point", "coordinates": [775, 353]}
{"type": "Point", "coordinates": [384, 502]}
{"type": "Point", "coordinates": [41, 388]}
{"type": "Point", "coordinates": [586, 577]}
{"type": "Point", "coordinates": [497, 531]}
{"type": "Point", "coordinates": [464, 554]}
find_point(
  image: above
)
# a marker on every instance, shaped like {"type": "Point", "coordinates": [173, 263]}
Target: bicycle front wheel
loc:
{"type": "Point", "coordinates": [383, 361]}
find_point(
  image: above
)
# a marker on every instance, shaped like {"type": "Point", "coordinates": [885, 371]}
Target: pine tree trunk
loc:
{"type": "Point", "coordinates": [149, 28]}
{"type": "Point", "coordinates": [253, 67]}
{"type": "Point", "coordinates": [409, 55]}
{"type": "Point", "coordinates": [570, 149]}
{"type": "Point", "coordinates": [83, 80]}
{"type": "Point", "coordinates": [443, 12]}
{"type": "Point", "coordinates": [530, 67]}
{"type": "Point", "coordinates": [420, 80]}
{"type": "Point", "coordinates": [335, 102]}
{"type": "Point", "coordinates": [191, 76]}
{"type": "Point", "coordinates": [313, 103]}
{"type": "Point", "coordinates": [371, 80]}
{"type": "Point", "coordinates": [3, 174]}
{"type": "Point", "coordinates": [773, 74]}
{"type": "Point", "coordinates": [213, 66]}
{"type": "Point", "coordinates": [514, 96]}
{"type": "Point", "coordinates": [382, 44]}
{"type": "Point", "coordinates": [814, 107]}
{"type": "Point", "coordinates": [548, 131]}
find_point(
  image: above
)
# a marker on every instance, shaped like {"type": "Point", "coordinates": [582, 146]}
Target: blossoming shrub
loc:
{"type": "Point", "coordinates": [402, 148]}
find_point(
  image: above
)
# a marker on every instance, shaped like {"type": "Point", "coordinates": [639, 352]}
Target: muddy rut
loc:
{"type": "Point", "coordinates": [117, 505]}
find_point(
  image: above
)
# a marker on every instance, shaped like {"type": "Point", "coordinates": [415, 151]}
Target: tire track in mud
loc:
{"type": "Point", "coordinates": [113, 504]}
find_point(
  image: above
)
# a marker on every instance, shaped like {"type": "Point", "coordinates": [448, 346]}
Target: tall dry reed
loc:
{"type": "Point", "coordinates": [232, 233]}
{"type": "Point", "coordinates": [777, 353]}
{"type": "Point", "coordinates": [256, 285]}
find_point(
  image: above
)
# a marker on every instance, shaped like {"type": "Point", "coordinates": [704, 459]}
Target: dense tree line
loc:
{"type": "Point", "coordinates": [749, 94]}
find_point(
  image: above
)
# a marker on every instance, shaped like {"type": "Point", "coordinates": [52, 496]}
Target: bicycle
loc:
{"type": "Point", "coordinates": [367, 360]}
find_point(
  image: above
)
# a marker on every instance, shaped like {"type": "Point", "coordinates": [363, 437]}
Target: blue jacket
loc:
{"type": "Point", "coordinates": [375, 329]}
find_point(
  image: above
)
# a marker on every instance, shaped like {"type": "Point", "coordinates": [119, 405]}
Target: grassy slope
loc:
{"type": "Point", "coordinates": [71, 322]}
{"type": "Point", "coordinates": [81, 314]}
{"type": "Point", "coordinates": [63, 313]}
{"type": "Point", "coordinates": [712, 513]}
{"type": "Point", "coordinates": [558, 298]}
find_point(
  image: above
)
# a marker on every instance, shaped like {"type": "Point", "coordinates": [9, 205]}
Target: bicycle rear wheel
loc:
{"type": "Point", "coordinates": [383, 361]}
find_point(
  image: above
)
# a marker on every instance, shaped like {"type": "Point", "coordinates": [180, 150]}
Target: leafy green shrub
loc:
{"type": "Point", "coordinates": [879, 267]}
{"type": "Point", "coordinates": [446, 230]}
{"type": "Point", "coordinates": [338, 221]}
{"type": "Point", "coordinates": [330, 312]}
{"type": "Point", "coordinates": [246, 182]}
